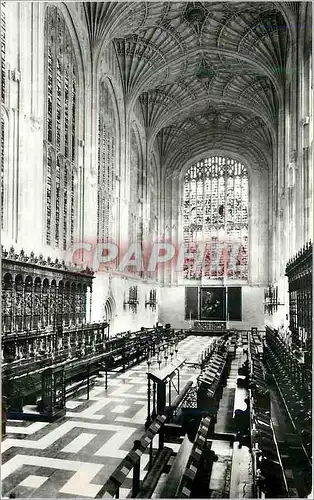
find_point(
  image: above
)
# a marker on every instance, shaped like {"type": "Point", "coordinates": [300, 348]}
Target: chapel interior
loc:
{"type": "Point", "coordinates": [156, 249]}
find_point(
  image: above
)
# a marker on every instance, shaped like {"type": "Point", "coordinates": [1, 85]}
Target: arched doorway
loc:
{"type": "Point", "coordinates": [109, 313]}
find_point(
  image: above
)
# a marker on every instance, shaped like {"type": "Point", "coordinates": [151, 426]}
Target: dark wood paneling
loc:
{"type": "Point", "coordinates": [191, 303]}
{"type": "Point", "coordinates": [235, 303]}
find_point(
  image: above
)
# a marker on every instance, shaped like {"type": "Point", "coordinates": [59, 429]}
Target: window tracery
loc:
{"type": "Point", "coordinates": [3, 50]}
{"type": "Point", "coordinates": [3, 160]}
{"type": "Point", "coordinates": [215, 219]}
{"type": "Point", "coordinates": [60, 134]}
{"type": "Point", "coordinates": [3, 121]}
{"type": "Point", "coordinates": [106, 166]}
{"type": "Point", "coordinates": [153, 201]}
{"type": "Point", "coordinates": [310, 151]}
{"type": "Point", "coordinates": [136, 193]}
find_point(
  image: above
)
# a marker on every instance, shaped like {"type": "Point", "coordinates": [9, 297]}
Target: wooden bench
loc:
{"type": "Point", "coordinates": [81, 385]}
{"type": "Point", "coordinates": [131, 462]}
{"type": "Point", "coordinates": [150, 482]}
{"type": "Point", "coordinates": [177, 469]}
{"type": "Point", "coordinates": [187, 482]}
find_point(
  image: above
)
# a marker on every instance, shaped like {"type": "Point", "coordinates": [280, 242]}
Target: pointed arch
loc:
{"type": "Point", "coordinates": [63, 84]}
{"type": "Point", "coordinates": [136, 187]}
{"type": "Point", "coordinates": [153, 185]}
{"type": "Point", "coordinates": [110, 312]}
{"type": "Point", "coordinates": [108, 145]}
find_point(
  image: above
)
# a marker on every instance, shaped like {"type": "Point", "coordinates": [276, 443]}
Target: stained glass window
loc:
{"type": "Point", "coordinates": [72, 191]}
{"type": "Point", "coordinates": [308, 162]}
{"type": "Point", "coordinates": [106, 166]}
{"type": "Point", "coordinates": [3, 50]}
{"type": "Point", "coordinates": [133, 189]}
{"type": "Point", "coordinates": [65, 204]}
{"type": "Point", "coordinates": [2, 168]}
{"type": "Point", "coordinates": [153, 201]}
{"type": "Point", "coordinates": [3, 121]}
{"type": "Point", "coordinates": [215, 219]}
{"type": "Point", "coordinates": [136, 193]}
{"type": "Point", "coordinates": [48, 195]}
{"type": "Point", "coordinates": [60, 133]}
{"type": "Point", "coordinates": [136, 216]}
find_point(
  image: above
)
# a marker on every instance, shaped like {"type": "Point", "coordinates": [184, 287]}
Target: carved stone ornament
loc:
{"type": "Point", "coordinates": [195, 15]}
{"type": "Point", "coordinates": [293, 156]}
{"type": "Point", "coordinates": [292, 167]}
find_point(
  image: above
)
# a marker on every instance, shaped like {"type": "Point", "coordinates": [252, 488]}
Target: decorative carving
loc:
{"type": "Point", "coordinates": [299, 272]}
{"type": "Point", "coordinates": [205, 73]}
{"type": "Point", "coordinates": [41, 261]}
{"type": "Point", "coordinates": [137, 47]}
{"type": "Point", "coordinates": [195, 15]}
{"type": "Point", "coordinates": [293, 157]}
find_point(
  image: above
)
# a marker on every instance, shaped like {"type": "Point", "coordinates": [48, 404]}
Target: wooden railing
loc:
{"type": "Point", "coordinates": [132, 462]}
{"type": "Point", "coordinates": [209, 326]}
{"type": "Point", "coordinates": [77, 354]}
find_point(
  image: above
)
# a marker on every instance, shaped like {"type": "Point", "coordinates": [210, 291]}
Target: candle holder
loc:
{"type": "Point", "coordinates": [166, 355]}
{"type": "Point", "coordinates": [148, 419]}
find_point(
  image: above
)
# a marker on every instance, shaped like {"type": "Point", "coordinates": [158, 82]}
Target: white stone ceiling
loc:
{"type": "Point", "coordinates": [199, 68]}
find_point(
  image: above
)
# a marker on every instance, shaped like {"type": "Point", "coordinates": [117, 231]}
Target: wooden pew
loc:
{"type": "Point", "coordinates": [177, 469]}
{"type": "Point", "coordinates": [150, 482]}
{"type": "Point", "coordinates": [186, 485]}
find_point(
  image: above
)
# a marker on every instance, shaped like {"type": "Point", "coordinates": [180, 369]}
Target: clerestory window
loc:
{"type": "Point", "coordinates": [4, 124]}
{"type": "Point", "coordinates": [106, 166]}
{"type": "Point", "coordinates": [61, 84]}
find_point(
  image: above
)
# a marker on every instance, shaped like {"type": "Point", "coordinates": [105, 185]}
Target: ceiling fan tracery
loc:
{"type": "Point", "coordinates": [223, 120]}
{"type": "Point", "coordinates": [174, 158]}
{"type": "Point", "coordinates": [176, 56]}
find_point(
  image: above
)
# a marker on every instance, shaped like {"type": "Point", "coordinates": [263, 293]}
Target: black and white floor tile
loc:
{"type": "Point", "coordinates": [76, 455]}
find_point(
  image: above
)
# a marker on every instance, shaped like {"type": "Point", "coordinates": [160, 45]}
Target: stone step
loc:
{"type": "Point", "coordinates": [225, 436]}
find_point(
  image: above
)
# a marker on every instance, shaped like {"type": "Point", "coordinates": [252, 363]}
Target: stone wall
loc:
{"type": "Point", "coordinates": [116, 289]}
{"type": "Point", "coordinates": [172, 308]}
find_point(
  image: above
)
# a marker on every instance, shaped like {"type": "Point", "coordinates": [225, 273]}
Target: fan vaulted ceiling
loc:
{"type": "Point", "coordinates": [199, 69]}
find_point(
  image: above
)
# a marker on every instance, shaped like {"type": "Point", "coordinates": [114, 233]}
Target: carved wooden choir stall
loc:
{"type": "Point", "coordinates": [49, 350]}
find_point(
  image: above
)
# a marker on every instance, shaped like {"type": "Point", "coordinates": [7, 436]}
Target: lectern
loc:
{"type": "Point", "coordinates": [161, 379]}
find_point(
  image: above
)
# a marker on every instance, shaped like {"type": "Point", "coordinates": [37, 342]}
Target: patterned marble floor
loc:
{"type": "Point", "coordinates": [76, 455]}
